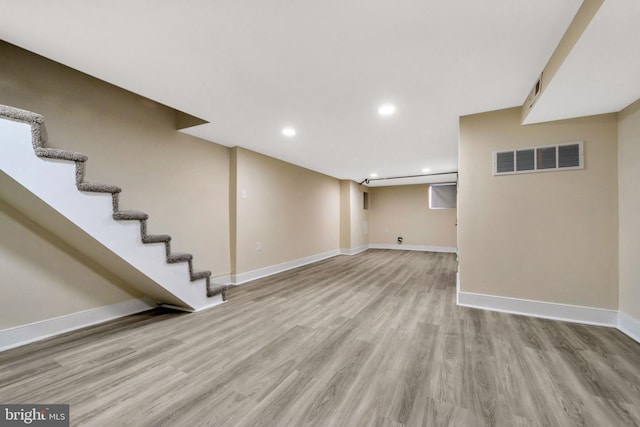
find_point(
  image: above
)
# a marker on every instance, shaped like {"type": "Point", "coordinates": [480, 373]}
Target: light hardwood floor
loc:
{"type": "Point", "coordinates": [373, 339]}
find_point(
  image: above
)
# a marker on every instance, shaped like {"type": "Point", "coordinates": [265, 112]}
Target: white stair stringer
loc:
{"type": "Point", "coordinates": [54, 182]}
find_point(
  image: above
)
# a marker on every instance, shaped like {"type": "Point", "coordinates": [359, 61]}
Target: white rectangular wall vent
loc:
{"type": "Point", "coordinates": [539, 159]}
{"type": "Point", "coordinates": [443, 196]}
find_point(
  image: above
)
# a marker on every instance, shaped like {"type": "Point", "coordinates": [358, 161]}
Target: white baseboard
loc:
{"type": "Point", "coordinates": [25, 334]}
{"type": "Point", "coordinates": [423, 248]}
{"type": "Point", "coordinates": [546, 310]}
{"type": "Point", "coordinates": [354, 251]}
{"type": "Point", "coordinates": [221, 280]}
{"type": "Point", "coordinates": [629, 326]}
{"type": "Point", "coordinates": [211, 302]}
{"type": "Point", "coordinates": [241, 278]}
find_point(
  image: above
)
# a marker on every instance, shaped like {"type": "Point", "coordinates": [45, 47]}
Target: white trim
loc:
{"type": "Point", "coordinates": [629, 326]}
{"type": "Point", "coordinates": [25, 334]}
{"type": "Point", "coordinates": [546, 310]}
{"type": "Point", "coordinates": [354, 251]}
{"type": "Point", "coordinates": [215, 301]}
{"type": "Point", "coordinates": [177, 308]}
{"type": "Point", "coordinates": [238, 279]}
{"type": "Point", "coordinates": [422, 248]}
{"type": "Point", "coordinates": [221, 280]}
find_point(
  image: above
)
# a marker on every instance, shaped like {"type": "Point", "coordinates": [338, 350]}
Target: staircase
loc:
{"type": "Point", "coordinates": [51, 174]}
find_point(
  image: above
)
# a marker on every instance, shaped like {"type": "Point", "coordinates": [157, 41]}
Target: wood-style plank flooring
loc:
{"type": "Point", "coordinates": [373, 339]}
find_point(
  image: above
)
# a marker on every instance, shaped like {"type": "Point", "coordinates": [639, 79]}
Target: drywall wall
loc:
{"type": "Point", "coordinates": [181, 181]}
{"type": "Point", "coordinates": [43, 278]}
{"type": "Point", "coordinates": [541, 236]}
{"type": "Point", "coordinates": [345, 215]}
{"type": "Point", "coordinates": [233, 208]}
{"type": "Point", "coordinates": [359, 216]}
{"type": "Point", "coordinates": [354, 219]}
{"type": "Point", "coordinates": [404, 211]}
{"type": "Point", "coordinates": [629, 196]}
{"type": "Point", "coordinates": [283, 212]}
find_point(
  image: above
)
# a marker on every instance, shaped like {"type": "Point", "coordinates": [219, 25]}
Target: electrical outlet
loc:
{"type": "Point", "coordinates": [259, 246]}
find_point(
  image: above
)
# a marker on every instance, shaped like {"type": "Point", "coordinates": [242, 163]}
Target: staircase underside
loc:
{"type": "Point", "coordinates": [48, 186]}
{"type": "Point", "coordinates": [33, 208]}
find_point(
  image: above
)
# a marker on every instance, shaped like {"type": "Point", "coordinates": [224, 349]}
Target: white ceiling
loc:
{"type": "Point", "coordinates": [601, 74]}
{"type": "Point", "coordinates": [323, 67]}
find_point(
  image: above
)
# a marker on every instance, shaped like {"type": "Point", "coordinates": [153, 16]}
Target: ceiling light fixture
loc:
{"type": "Point", "coordinates": [373, 175]}
{"type": "Point", "coordinates": [425, 170]}
{"type": "Point", "coordinates": [288, 131]}
{"type": "Point", "coordinates": [386, 110]}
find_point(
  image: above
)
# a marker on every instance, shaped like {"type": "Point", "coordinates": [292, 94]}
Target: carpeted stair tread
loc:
{"type": "Point", "coordinates": [197, 275]}
{"type": "Point", "coordinates": [220, 290]}
{"type": "Point", "coordinates": [156, 238]}
{"type": "Point", "coordinates": [130, 216]}
{"type": "Point", "coordinates": [177, 257]}
{"type": "Point", "coordinates": [20, 115]}
{"type": "Point", "coordinates": [98, 188]}
{"type": "Point", "coordinates": [54, 153]}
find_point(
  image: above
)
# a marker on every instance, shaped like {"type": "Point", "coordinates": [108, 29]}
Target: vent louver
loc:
{"type": "Point", "coordinates": [569, 156]}
{"type": "Point", "coordinates": [505, 162]}
{"type": "Point", "coordinates": [525, 160]}
{"type": "Point", "coordinates": [539, 159]}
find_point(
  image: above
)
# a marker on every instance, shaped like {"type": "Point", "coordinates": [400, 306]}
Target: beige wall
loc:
{"type": "Point", "coordinates": [233, 208]}
{"type": "Point", "coordinates": [293, 212]}
{"type": "Point", "coordinates": [404, 211]}
{"type": "Point", "coordinates": [354, 219]}
{"type": "Point", "coordinates": [542, 236]}
{"type": "Point", "coordinates": [629, 178]}
{"type": "Point", "coordinates": [181, 181]}
{"type": "Point", "coordinates": [359, 216]}
{"type": "Point", "coordinates": [345, 214]}
{"type": "Point", "coordinates": [44, 278]}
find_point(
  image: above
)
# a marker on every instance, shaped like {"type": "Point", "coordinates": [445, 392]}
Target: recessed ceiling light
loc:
{"type": "Point", "coordinates": [288, 131]}
{"type": "Point", "coordinates": [373, 175]}
{"type": "Point", "coordinates": [386, 110]}
{"type": "Point", "coordinates": [425, 170]}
